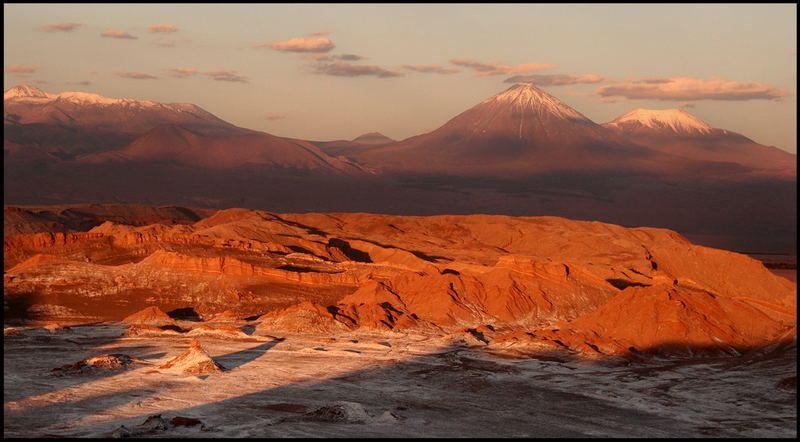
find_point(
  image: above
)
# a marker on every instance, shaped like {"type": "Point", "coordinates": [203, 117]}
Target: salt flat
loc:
{"type": "Point", "coordinates": [382, 385]}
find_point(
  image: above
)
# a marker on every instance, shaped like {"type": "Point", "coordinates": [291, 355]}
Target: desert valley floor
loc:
{"type": "Point", "coordinates": [384, 385]}
{"type": "Point", "coordinates": [139, 321]}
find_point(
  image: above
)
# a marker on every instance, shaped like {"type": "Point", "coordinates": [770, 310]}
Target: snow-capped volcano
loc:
{"type": "Point", "coordinates": [69, 124]}
{"type": "Point", "coordinates": [27, 95]}
{"type": "Point", "coordinates": [23, 91]}
{"type": "Point", "coordinates": [674, 120]}
{"type": "Point", "coordinates": [519, 130]}
{"type": "Point", "coordinates": [529, 99]}
{"type": "Point", "coordinates": [679, 133]}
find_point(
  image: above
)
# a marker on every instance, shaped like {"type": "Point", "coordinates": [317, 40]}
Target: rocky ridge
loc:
{"type": "Point", "coordinates": [533, 281]}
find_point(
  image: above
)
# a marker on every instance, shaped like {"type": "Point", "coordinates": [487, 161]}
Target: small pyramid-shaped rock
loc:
{"type": "Point", "coordinates": [151, 315]}
{"type": "Point", "coordinates": [195, 360]}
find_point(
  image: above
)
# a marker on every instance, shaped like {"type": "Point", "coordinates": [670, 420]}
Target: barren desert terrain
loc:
{"type": "Point", "coordinates": [179, 322]}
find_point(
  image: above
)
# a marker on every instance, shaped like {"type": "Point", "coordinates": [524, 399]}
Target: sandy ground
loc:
{"type": "Point", "coordinates": [382, 385]}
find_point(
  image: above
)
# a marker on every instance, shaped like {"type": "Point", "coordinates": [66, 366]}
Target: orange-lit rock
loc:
{"type": "Point", "coordinates": [149, 316]}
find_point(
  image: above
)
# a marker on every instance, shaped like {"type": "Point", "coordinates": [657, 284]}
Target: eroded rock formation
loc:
{"type": "Point", "coordinates": [543, 281]}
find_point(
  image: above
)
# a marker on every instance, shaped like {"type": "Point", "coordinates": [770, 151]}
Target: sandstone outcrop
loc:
{"type": "Point", "coordinates": [305, 317]}
{"type": "Point", "coordinates": [666, 320]}
{"type": "Point", "coordinates": [149, 316]}
{"type": "Point", "coordinates": [195, 360]}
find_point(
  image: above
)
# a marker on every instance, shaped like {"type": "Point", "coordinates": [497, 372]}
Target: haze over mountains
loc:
{"type": "Point", "coordinates": [520, 152]}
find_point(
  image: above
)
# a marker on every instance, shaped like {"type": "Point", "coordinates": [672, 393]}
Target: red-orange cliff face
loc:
{"type": "Point", "coordinates": [536, 280]}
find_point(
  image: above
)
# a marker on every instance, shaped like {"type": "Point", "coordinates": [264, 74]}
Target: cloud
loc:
{"type": "Point", "coordinates": [648, 80]}
{"type": "Point", "coordinates": [326, 57]}
{"type": "Point", "coordinates": [83, 83]}
{"type": "Point", "coordinates": [686, 105]}
{"type": "Point", "coordinates": [163, 29]}
{"type": "Point", "coordinates": [350, 57]}
{"type": "Point", "coordinates": [165, 44]}
{"type": "Point", "coordinates": [273, 117]}
{"type": "Point", "coordinates": [113, 33]}
{"type": "Point", "coordinates": [343, 69]}
{"type": "Point", "coordinates": [689, 89]}
{"type": "Point", "coordinates": [431, 69]}
{"type": "Point", "coordinates": [555, 80]}
{"type": "Point", "coordinates": [318, 33]}
{"type": "Point", "coordinates": [135, 75]}
{"type": "Point", "coordinates": [60, 27]}
{"type": "Point", "coordinates": [319, 57]}
{"type": "Point", "coordinates": [499, 68]}
{"type": "Point", "coordinates": [300, 45]}
{"type": "Point", "coordinates": [22, 69]}
{"type": "Point", "coordinates": [229, 75]}
{"type": "Point", "coordinates": [182, 72]}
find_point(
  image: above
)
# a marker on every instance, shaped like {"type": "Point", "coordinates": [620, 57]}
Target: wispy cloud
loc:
{"type": "Point", "coordinates": [688, 89]}
{"type": "Point", "coordinates": [22, 69]}
{"type": "Point", "coordinates": [344, 69]}
{"type": "Point", "coordinates": [165, 44]}
{"type": "Point", "coordinates": [318, 33]}
{"type": "Point", "coordinates": [83, 83]}
{"type": "Point", "coordinates": [182, 72]}
{"type": "Point", "coordinates": [162, 28]}
{"type": "Point", "coordinates": [431, 69]}
{"type": "Point", "coordinates": [135, 75]}
{"type": "Point", "coordinates": [227, 75]}
{"type": "Point", "coordinates": [555, 80]}
{"type": "Point", "coordinates": [272, 117]}
{"type": "Point", "coordinates": [320, 44]}
{"type": "Point", "coordinates": [113, 33]}
{"type": "Point", "coordinates": [319, 57]}
{"type": "Point", "coordinates": [499, 68]}
{"type": "Point", "coordinates": [350, 57]}
{"type": "Point", "coordinates": [328, 57]}
{"type": "Point", "coordinates": [59, 27]}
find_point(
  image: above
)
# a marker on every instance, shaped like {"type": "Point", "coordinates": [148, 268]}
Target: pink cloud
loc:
{"type": "Point", "coordinates": [21, 69]}
{"type": "Point", "coordinates": [318, 33]}
{"type": "Point", "coordinates": [555, 80]}
{"type": "Point", "coordinates": [60, 27]}
{"type": "Point", "coordinates": [483, 69]}
{"type": "Point", "coordinates": [165, 44]}
{"type": "Point", "coordinates": [689, 89]}
{"type": "Point", "coordinates": [135, 75]}
{"type": "Point", "coordinates": [431, 69]}
{"type": "Point", "coordinates": [182, 72]}
{"type": "Point", "coordinates": [300, 45]}
{"type": "Point", "coordinates": [343, 69]}
{"type": "Point", "coordinates": [113, 33]}
{"type": "Point", "coordinates": [227, 75]}
{"type": "Point", "coordinates": [272, 117]}
{"type": "Point", "coordinates": [163, 28]}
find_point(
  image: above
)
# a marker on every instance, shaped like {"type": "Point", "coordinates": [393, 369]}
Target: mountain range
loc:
{"type": "Point", "coordinates": [520, 152]}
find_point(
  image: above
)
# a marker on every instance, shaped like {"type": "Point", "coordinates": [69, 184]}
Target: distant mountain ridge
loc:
{"type": "Point", "coordinates": [70, 124]}
{"type": "Point", "coordinates": [524, 130]}
{"type": "Point", "coordinates": [522, 152]}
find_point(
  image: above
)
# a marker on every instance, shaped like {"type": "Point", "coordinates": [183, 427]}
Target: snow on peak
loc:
{"type": "Point", "coordinates": [24, 91]}
{"type": "Point", "coordinates": [670, 119]}
{"type": "Point", "coordinates": [89, 98]}
{"type": "Point", "coordinates": [27, 93]}
{"type": "Point", "coordinates": [528, 96]}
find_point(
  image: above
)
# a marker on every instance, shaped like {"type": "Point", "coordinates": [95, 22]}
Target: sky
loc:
{"type": "Point", "coordinates": [337, 71]}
